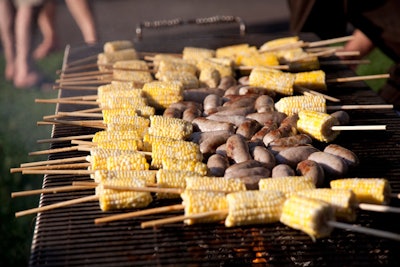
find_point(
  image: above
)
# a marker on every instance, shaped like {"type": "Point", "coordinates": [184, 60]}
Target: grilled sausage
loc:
{"type": "Point", "coordinates": [264, 103]}
{"type": "Point", "coordinates": [202, 124]}
{"type": "Point", "coordinates": [209, 141]}
{"type": "Point", "coordinates": [191, 113]}
{"type": "Point", "coordinates": [226, 82]}
{"type": "Point", "coordinates": [172, 112]}
{"type": "Point", "coordinates": [236, 167]}
{"type": "Point", "coordinates": [236, 101]}
{"type": "Point", "coordinates": [268, 126]}
{"type": "Point", "coordinates": [347, 155]}
{"type": "Point", "coordinates": [248, 128]}
{"type": "Point", "coordinates": [217, 164]}
{"type": "Point", "coordinates": [263, 155]}
{"type": "Point", "coordinates": [334, 166]}
{"type": "Point", "coordinates": [293, 155]}
{"type": "Point", "coordinates": [250, 176]}
{"type": "Point", "coordinates": [342, 116]}
{"type": "Point", "coordinates": [264, 117]}
{"type": "Point", "coordinates": [237, 149]}
{"type": "Point", "coordinates": [234, 119]}
{"type": "Point", "coordinates": [294, 140]}
{"type": "Point", "coordinates": [211, 102]}
{"type": "Point", "coordinates": [244, 90]}
{"type": "Point", "coordinates": [312, 169]}
{"type": "Point", "coordinates": [199, 94]}
{"type": "Point", "coordinates": [282, 170]}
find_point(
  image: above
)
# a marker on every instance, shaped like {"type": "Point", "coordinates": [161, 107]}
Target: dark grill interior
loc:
{"type": "Point", "coordinates": [69, 237]}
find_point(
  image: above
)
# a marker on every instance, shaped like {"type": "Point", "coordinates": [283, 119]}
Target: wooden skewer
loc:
{"type": "Point", "coordinates": [304, 90]}
{"type": "Point", "coordinates": [82, 60]}
{"type": "Point", "coordinates": [358, 78]}
{"type": "Point", "coordinates": [346, 62]}
{"type": "Point", "coordinates": [54, 150]}
{"type": "Point", "coordinates": [78, 68]}
{"type": "Point", "coordinates": [133, 214]}
{"type": "Point", "coordinates": [358, 127]}
{"type": "Point", "coordinates": [65, 138]}
{"type": "Point", "coordinates": [66, 101]}
{"type": "Point", "coordinates": [330, 41]}
{"type": "Point", "coordinates": [74, 87]}
{"type": "Point", "coordinates": [54, 161]}
{"type": "Point", "coordinates": [52, 167]}
{"type": "Point", "coordinates": [92, 124]}
{"type": "Point", "coordinates": [378, 208]}
{"type": "Point", "coordinates": [130, 188]}
{"type": "Point", "coordinates": [85, 143]}
{"type": "Point", "coordinates": [364, 230]}
{"type": "Point", "coordinates": [73, 172]}
{"type": "Point", "coordinates": [58, 205]}
{"type": "Point", "coordinates": [80, 114]}
{"type": "Point", "coordinates": [84, 73]}
{"type": "Point", "coordinates": [52, 190]}
{"type": "Point", "coordinates": [98, 77]}
{"type": "Point", "coordinates": [348, 107]}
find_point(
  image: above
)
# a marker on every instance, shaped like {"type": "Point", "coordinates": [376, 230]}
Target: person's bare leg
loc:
{"type": "Point", "coordinates": [7, 37]}
{"type": "Point", "coordinates": [24, 76]}
{"type": "Point", "coordinates": [80, 10]}
{"type": "Point", "coordinates": [46, 25]}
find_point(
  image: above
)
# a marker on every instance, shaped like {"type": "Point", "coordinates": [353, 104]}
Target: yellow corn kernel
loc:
{"type": "Point", "coordinates": [231, 51]}
{"type": "Point", "coordinates": [286, 56]}
{"type": "Point", "coordinates": [171, 179]}
{"type": "Point", "coordinates": [309, 215]}
{"type": "Point", "coordinates": [110, 199]}
{"type": "Point", "coordinates": [174, 128]}
{"type": "Point", "coordinates": [367, 190]}
{"type": "Point", "coordinates": [195, 54]}
{"type": "Point", "coordinates": [288, 185]}
{"type": "Point", "coordinates": [307, 64]}
{"type": "Point", "coordinates": [277, 81]}
{"type": "Point", "coordinates": [122, 102]}
{"type": "Point", "coordinates": [187, 79]}
{"type": "Point", "coordinates": [116, 45]}
{"type": "Point", "coordinates": [259, 59]}
{"type": "Point", "coordinates": [149, 139]}
{"type": "Point", "coordinates": [224, 66]}
{"type": "Point", "coordinates": [343, 201]}
{"type": "Point", "coordinates": [318, 125]}
{"type": "Point", "coordinates": [125, 144]}
{"type": "Point", "coordinates": [103, 136]}
{"type": "Point", "coordinates": [162, 94]}
{"type": "Point", "coordinates": [209, 78]}
{"type": "Point", "coordinates": [127, 127]}
{"type": "Point", "coordinates": [210, 183]}
{"type": "Point", "coordinates": [176, 64]}
{"type": "Point", "coordinates": [254, 207]}
{"type": "Point", "coordinates": [106, 60]}
{"type": "Point", "coordinates": [291, 105]}
{"type": "Point", "coordinates": [127, 162]}
{"type": "Point", "coordinates": [279, 42]}
{"type": "Point", "coordinates": [138, 121]}
{"type": "Point", "coordinates": [132, 70]}
{"type": "Point", "coordinates": [314, 80]}
{"type": "Point", "coordinates": [149, 177]}
{"type": "Point", "coordinates": [184, 165]}
{"type": "Point", "coordinates": [104, 95]}
{"type": "Point", "coordinates": [98, 157]}
{"type": "Point", "coordinates": [115, 112]}
{"type": "Point", "coordinates": [196, 202]}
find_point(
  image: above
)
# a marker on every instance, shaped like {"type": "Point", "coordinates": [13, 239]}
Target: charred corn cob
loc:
{"type": "Point", "coordinates": [291, 105]}
{"type": "Point", "coordinates": [224, 66]}
{"type": "Point", "coordinates": [172, 179]}
{"type": "Point", "coordinates": [194, 54]}
{"type": "Point", "coordinates": [308, 215]}
{"type": "Point", "coordinates": [174, 128]}
{"type": "Point", "coordinates": [314, 80]}
{"type": "Point", "coordinates": [196, 202]}
{"type": "Point", "coordinates": [149, 177]}
{"type": "Point", "coordinates": [254, 207]}
{"type": "Point", "coordinates": [278, 81]}
{"type": "Point", "coordinates": [288, 185]}
{"type": "Point", "coordinates": [184, 165]}
{"type": "Point", "coordinates": [116, 45]}
{"type": "Point", "coordinates": [104, 136]}
{"type": "Point", "coordinates": [318, 125]}
{"type": "Point", "coordinates": [343, 201]}
{"type": "Point", "coordinates": [179, 149]}
{"type": "Point", "coordinates": [209, 78]}
{"type": "Point", "coordinates": [127, 162]}
{"type": "Point", "coordinates": [106, 60]}
{"type": "Point", "coordinates": [187, 79]}
{"type": "Point", "coordinates": [209, 183]}
{"type": "Point", "coordinates": [110, 199]}
{"type": "Point", "coordinates": [162, 94]}
{"type": "Point", "coordinates": [367, 190]}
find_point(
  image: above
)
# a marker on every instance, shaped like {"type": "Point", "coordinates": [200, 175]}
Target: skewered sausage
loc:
{"type": "Point", "coordinates": [264, 103]}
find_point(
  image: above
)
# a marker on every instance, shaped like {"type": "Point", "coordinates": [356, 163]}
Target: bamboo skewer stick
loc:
{"type": "Point", "coordinates": [91, 124]}
{"type": "Point", "coordinates": [66, 101]}
{"type": "Point", "coordinates": [358, 127]}
{"type": "Point", "coordinates": [358, 78]}
{"type": "Point", "coordinates": [66, 138]}
{"type": "Point", "coordinates": [52, 167]}
{"type": "Point", "coordinates": [348, 107]}
{"type": "Point", "coordinates": [312, 92]}
{"type": "Point", "coordinates": [52, 190]}
{"type": "Point", "coordinates": [364, 230]}
{"type": "Point", "coordinates": [74, 87]}
{"type": "Point", "coordinates": [54, 161]}
{"type": "Point", "coordinates": [73, 172]}
{"type": "Point", "coordinates": [53, 150]}
{"type": "Point", "coordinates": [82, 60]}
{"type": "Point", "coordinates": [378, 208]}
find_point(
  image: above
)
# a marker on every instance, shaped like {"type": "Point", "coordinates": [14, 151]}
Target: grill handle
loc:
{"type": "Point", "coordinates": [197, 21]}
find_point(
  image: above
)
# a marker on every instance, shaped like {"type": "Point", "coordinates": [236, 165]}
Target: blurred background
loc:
{"type": "Point", "coordinates": [116, 19]}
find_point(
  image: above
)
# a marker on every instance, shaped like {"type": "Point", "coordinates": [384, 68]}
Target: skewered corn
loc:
{"type": "Point", "coordinates": [124, 84]}
{"type": "Point", "coordinates": [259, 59]}
{"type": "Point", "coordinates": [209, 78]}
{"type": "Point", "coordinates": [104, 136]}
{"type": "Point", "coordinates": [111, 199]}
{"type": "Point", "coordinates": [308, 215]}
{"type": "Point", "coordinates": [209, 183]}
{"type": "Point", "coordinates": [132, 70]}
{"type": "Point", "coordinates": [188, 80]}
{"type": "Point", "coordinates": [137, 121]}
{"type": "Point", "coordinates": [122, 102]}
{"type": "Point", "coordinates": [318, 125]}
{"type": "Point", "coordinates": [184, 165]}
{"type": "Point", "coordinates": [149, 139]}
{"type": "Point", "coordinates": [125, 144]}
{"type": "Point", "coordinates": [291, 105]}
{"type": "Point", "coordinates": [314, 80]}
{"type": "Point", "coordinates": [196, 202]}
{"type": "Point", "coordinates": [231, 51]}
{"type": "Point", "coordinates": [105, 60]}
{"type": "Point", "coordinates": [116, 45]}
{"type": "Point", "coordinates": [343, 201]}
{"type": "Point", "coordinates": [309, 63]}
{"type": "Point", "coordinates": [171, 179]}
{"type": "Point", "coordinates": [162, 94]}
{"type": "Point", "coordinates": [254, 207]}
{"type": "Point", "coordinates": [108, 114]}
{"type": "Point", "coordinates": [179, 149]}
{"type": "Point", "coordinates": [127, 127]}
{"type": "Point", "coordinates": [195, 54]}
{"type": "Point", "coordinates": [288, 185]}
{"type": "Point", "coordinates": [278, 81]}
{"type": "Point", "coordinates": [98, 157]}
{"type": "Point", "coordinates": [174, 128]}
{"type": "Point", "coordinates": [113, 88]}
{"type": "Point", "coordinates": [149, 177]}
{"type": "Point", "coordinates": [279, 42]}
{"type": "Point", "coordinates": [127, 162]}
{"type": "Point", "coordinates": [367, 190]}
{"type": "Point", "coordinates": [223, 65]}
{"type": "Point", "coordinates": [176, 64]}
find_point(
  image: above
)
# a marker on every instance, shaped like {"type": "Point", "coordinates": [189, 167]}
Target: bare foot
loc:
{"type": "Point", "coordinates": [9, 72]}
{"type": "Point", "coordinates": [26, 81]}
{"type": "Point", "coordinates": [43, 50]}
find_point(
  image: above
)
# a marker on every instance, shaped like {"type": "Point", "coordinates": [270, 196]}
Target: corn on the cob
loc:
{"type": "Point", "coordinates": [209, 183]}
{"type": "Point", "coordinates": [308, 215]}
{"type": "Point", "coordinates": [174, 128]}
{"type": "Point", "coordinates": [367, 190]}
{"type": "Point", "coordinates": [171, 179]}
{"type": "Point", "coordinates": [184, 165]}
{"type": "Point", "coordinates": [257, 59]}
{"type": "Point", "coordinates": [274, 80]}
{"type": "Point", "coordinates": [307, 64]}
{"type": "Point", "coordinates": [209, 78]}
{"type": "Point", "coordinates": [149, 139]}
{"type": "Point", "coordinates": [224, 66]}
{"type": "Point", "coordinates": [98, 157]}
{"type": "Point", "coordinates": [314, 80]}
{"type": "Point", "coordinates": [254, 207]}
{"type": "Point", "coordinates": [318, 125]}
{"type": "Point", "coordinates": [104, 136]}
{"type": "Point", "coordinates": [124, 84]}
{"type": "Point", "coordinates": [162, 94]}
{"type": "Point", "coordinates": [108, 114]}
{"type": "Point", "coordinates": [149, 177]}
{"type": "Point", "coordinates": [288, 185]}
{"type": "Point", "coordinates": [122, 102]}
{"type": "Point", "coordinates": [132, 70]}
{"type": "Point", "coordinates": [138, 121]}
{"type": "Point", "coordinates": [195, 54]}
{"type": "Point", "coordinates": [343, 201]}
{"type": "Point", "coordinates": [125, 144]}
{"type": "Point", "coordinates": [279, 42]}
{"type": "Point", "coordinates": [231, 51]}
{"type": "Point", "coordinates": [127, 162]}
{"type": "Point", "coordinates": [187, 79]}
{"type": "Point", "coordinates": [127, 127]}
{"type": "Point", "coordinates": [116, 45]}
{"type": "Point", "coordinates": [104, 60]}
{"type": "Point", "coordinates": [179, 149]}
{"type": "Point", "coordinates": [196, 202]}
{"type": "Point", "coordinates": [291, 105]}
{"type": "Point", "coordinates": [112, 89]}
{"type": "Point", "coordinates": [110, 199]}
{"type": "Point", "coordinates": [176, 64]}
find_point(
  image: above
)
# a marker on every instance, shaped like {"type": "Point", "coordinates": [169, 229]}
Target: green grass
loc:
{"type": "Point", "coordinates": [18, 136]}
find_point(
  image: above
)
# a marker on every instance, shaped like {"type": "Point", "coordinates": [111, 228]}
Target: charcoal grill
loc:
{"type": "Point", "coordinates": [69, 237]}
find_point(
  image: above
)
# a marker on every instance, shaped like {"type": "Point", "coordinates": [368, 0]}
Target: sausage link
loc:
{"type": "Point", "coordinates": [237, 149]}
{"type": "Point", "coordinates": [217, 164]}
